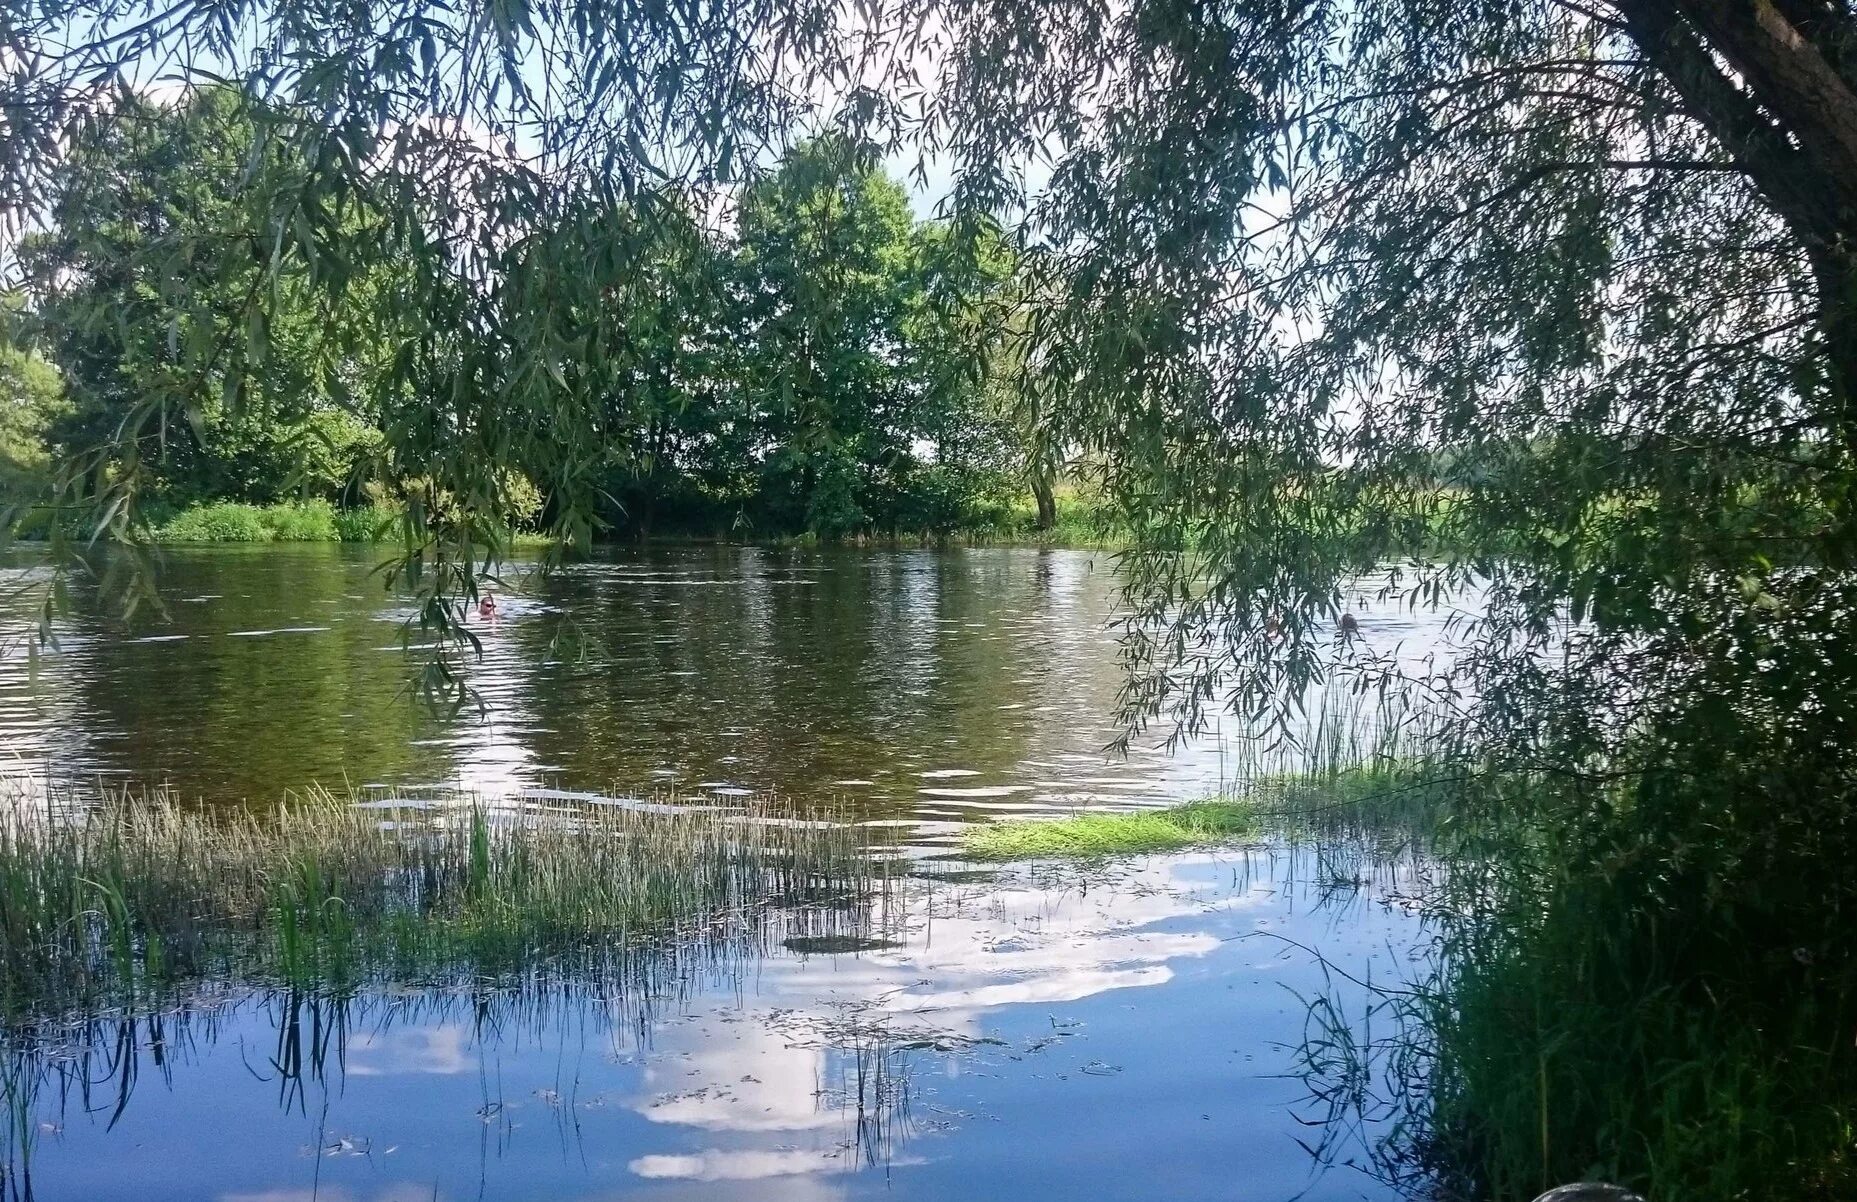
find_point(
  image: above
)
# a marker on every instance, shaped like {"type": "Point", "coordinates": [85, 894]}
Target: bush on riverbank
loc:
{"type": "Point", "coordinates": [1642, 977]}
{"type": "Point", "coordinates": [1650, 979]}
{"type": "Point", "coordinates": [235, 522]}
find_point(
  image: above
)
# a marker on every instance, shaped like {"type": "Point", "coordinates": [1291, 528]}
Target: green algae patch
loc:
{"type": "Point", "coordinates": [1112, 834]}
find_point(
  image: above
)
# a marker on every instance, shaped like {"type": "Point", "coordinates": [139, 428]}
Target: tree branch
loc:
{"type": "Point", "coordinates": [1730, 116]}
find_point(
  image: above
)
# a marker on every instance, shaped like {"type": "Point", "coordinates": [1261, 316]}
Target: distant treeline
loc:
{"type": "Point", "coordinates": [824, 365]}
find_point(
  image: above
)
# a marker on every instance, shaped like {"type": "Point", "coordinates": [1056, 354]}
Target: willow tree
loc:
{"type": "Point", "coordinates": [1564, 280]}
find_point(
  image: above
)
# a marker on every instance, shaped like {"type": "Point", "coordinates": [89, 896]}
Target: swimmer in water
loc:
{"type": "Point", "coordinates": [1349, 626]}
{"type": "Point", "coordinates": [486, 607]}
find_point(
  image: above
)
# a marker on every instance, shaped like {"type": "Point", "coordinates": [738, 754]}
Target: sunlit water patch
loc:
{"type": "Point", "coordinates": [856, 680]}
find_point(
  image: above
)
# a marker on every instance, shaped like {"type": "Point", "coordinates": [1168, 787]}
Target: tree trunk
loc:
{"type": "Point", "coordinates": [1047, 502]}
{"type": "Point", "coordinates": [1785, 110]}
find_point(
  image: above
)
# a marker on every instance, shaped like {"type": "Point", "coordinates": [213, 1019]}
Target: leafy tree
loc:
{"type": "Point", "coordinates": [31, 400]}
{"type": "Point", "coordinates": [828, 261]}
{"type": "Point", "coordinates": [1281, 239]}
{"type": "Point", "coordinates": [188, 363]}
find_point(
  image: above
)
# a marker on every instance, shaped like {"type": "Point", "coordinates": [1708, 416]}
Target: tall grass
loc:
{"type": "Point", "coordinates": [1618, 995]}
{"type": "Point", "coordinates": [143, 893]}
{"type": "Point", "coordinates": [1600, 1006]}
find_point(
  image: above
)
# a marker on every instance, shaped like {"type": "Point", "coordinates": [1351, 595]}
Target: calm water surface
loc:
{"type": "Point", "coordinates": [1032, 1038]}
{"type": "Point", "coordinates": [923, 684]}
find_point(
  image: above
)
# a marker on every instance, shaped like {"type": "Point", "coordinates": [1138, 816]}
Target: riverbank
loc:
{"type": "Point", "coordinates": [1079, 526]}
{"type": "Point", "coordinates": [1587, 1015]}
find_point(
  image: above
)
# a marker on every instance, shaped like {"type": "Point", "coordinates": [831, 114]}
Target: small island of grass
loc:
{"type": "Point", "coordinates": [1112, 834]}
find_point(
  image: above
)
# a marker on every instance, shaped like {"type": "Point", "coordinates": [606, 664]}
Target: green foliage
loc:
{"type": "Point", "coordinates": [31, 401]}
{"type": "Point", "coordinates": [143, 271]}
{"type": "Point", "coordinates": [312, 521]}
{"type": "Point", "coordinates": [366, 524]}
{"type": "Point", "coordinates": [219, 522]}
{"type": "Point", "coordinates": [1111, 834]}
{"type": "Point", "coordinates": [1607, 1005]}
{"type": "Point", "coordinates": [1566, 292]}
{"type": "Point", "coordinates": [302, 522]}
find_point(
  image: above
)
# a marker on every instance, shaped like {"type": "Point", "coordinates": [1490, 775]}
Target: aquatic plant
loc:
{"type": "Point", "coordinates": [1353, 770]}
{"type": "Point", "coordinates": [1111, 834]}
{"type": "Point", "coordinates": [142, 892]}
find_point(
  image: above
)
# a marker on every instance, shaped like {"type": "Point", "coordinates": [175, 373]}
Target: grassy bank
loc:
{"type": "Point", "coordinates": [1648, 979]}
{"type": "Point", "coordinates": [145, 893]}
{"type": "Point", "coordinates": [1620, 991]}
{"type": "Point", "coordinates": [1385, 803]}
{"type": "Point", "coordinates": [1082, 521]}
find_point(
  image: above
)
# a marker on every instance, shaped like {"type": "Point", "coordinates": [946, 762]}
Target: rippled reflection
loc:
{"type": "Point", "coordinates": [930, 685]}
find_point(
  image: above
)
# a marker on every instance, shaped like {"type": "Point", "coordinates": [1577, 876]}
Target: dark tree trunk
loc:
{"type": "Point", "coordinates": [1047, 502]}
{"type": "Point", "coordinates": [1785, 110]}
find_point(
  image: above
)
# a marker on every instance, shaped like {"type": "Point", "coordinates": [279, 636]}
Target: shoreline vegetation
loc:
{"type": "Point", "coordinates": [1127, 832]}
{"type": "Point", "coordinates": [1078, 523]}
{"type": "Point", "coordinates": [133, 897]}
{"type": "Point", "coordinates": [1515, 1021]}
{"type": "Point", "coordinates": [1389, 802]}
{"type": "Point", "coordinates": [1498, 1062]}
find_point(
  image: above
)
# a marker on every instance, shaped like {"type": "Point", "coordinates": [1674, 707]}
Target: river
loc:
{"type": "Point", "coordinates": [1128, 1031]}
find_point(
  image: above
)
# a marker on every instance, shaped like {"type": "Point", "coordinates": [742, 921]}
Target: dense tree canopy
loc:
{"type": "Point", "coordinates": [823, 366]}
{"type": "Point", "coordinates": [162, 388]}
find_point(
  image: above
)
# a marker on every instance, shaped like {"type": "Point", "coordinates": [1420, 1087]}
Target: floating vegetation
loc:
{"type": "Point", "coordinates": [1338, 810]}
{"type": "Point", "coordinates": [1112, 834]}
{"type": "Point", "coordinates": [136, 894]}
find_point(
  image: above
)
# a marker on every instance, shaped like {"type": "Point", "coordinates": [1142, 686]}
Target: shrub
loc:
{"type": "Point", "coordinates": [368, 524]}
{"type": "Point", "coordinates": [218, 522]}
{"type": "Point", "coordinates": [302, 522]}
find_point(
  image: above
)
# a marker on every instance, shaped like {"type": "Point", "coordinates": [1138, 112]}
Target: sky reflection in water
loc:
{"type": "Point", "coordinates": [1049, 1035]}
{"type": "Point", "coordinates": [1059, 1037]}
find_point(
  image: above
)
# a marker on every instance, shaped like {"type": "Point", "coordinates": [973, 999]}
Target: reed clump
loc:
{"type": "Point", "coordinates": [1646, 979]}
{"type": "Point", "coordinates": [142, 892]}
{"type": "Point", "coordinates": [1636, 977]}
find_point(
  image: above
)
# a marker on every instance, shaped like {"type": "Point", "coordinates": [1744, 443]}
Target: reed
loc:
{"type": "Point", "coordinates": [135, 893]}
